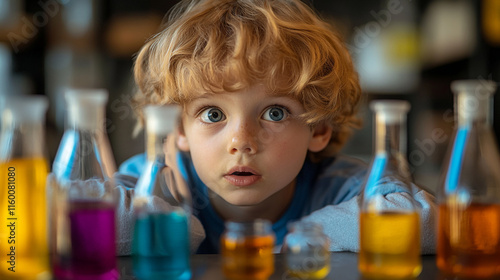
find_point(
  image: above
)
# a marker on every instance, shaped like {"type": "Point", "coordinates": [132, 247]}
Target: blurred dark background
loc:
{"type": "Point", "coordinates": [402, 49]}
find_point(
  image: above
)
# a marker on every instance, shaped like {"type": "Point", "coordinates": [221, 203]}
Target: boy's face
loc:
{"type": "Point", "coordinates": [248, 145]}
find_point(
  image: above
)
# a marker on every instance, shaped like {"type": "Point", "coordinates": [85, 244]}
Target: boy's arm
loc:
{"type": "Point", "coordinates": [126, 217]}
{"type": "Point", "coordinates": [341, 222]}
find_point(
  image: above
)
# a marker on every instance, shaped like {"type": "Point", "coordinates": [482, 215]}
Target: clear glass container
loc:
{"type": "Point", "coordinates": [306, 250]}
{"type": "Point", "coordinates": [81, 192]}
{"type": "Point", "coordinates": [162, 203]}
{"type": "Point", "coordinates": [24, 169]}
{"type": "Point", "coordinates": [247, 250]}
{"type": "Point", "coordinates": [469, 194]}
{"type": "Point", "coordinates": [389, 233]}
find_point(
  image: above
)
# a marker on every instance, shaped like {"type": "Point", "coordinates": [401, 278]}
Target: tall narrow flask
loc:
{"type": "Point", "coordinates": [389, 232]}
{"type": "Point", "coordinates": [162, 203]}
{"type": "Point", "coordinates": [23, 173]}
{"type": "Point", "coordinates": [469, 196]}
{"type": "Point", "coordinates": [80, 188]}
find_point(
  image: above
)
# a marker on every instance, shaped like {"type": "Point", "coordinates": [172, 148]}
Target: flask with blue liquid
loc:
{"type": "Point", "coordinates": [162, 203]}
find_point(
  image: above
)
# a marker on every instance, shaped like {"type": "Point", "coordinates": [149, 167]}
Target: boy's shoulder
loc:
{"type": "Point", "coordinates": [133, 166]}
{"type": "Point", "coordinates": [341, 166]}
{"type": "Point", "coordinates": [338, 179]}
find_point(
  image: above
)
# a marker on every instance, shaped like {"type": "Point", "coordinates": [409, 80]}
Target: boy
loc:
{"type": "Point", "coordinates": [268, 95]}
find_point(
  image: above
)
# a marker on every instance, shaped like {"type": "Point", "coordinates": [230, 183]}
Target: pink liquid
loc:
{"type": "Point", "coordinates": [92, 243]}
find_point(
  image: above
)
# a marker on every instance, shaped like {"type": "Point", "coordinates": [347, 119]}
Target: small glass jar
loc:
{"type": "Point", "coordinates": [306, 250]}
{"type": "Point", "coordinates": [247, 250]}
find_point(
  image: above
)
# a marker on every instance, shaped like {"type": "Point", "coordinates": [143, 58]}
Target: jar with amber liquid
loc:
{"type": "Point", "coordinates": [389, 233]}
{"type": "Point", "coordinates": [247, 250]}
{"type": "Point", "coordinates": [468, 230]}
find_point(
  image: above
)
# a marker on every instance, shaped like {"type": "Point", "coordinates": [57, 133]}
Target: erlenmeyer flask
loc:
{"type": "Point", "coordinates": [24, 168]}
{"type": "Point", "coordinates": [80, 189]}
{"type": "Point", "coordinates": [162, 203]}
{"type": "Point", "coordinates": [389, 232]}
{"type": "Point", "coordinates": [469, 196]}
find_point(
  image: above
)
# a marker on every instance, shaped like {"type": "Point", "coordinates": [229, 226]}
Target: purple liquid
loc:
{"type": "Point", "coordinates": [92, 241]}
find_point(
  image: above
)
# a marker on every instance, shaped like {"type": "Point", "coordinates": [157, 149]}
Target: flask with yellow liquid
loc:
{"type": "Point", "coordinates": [389, 232]}
{"type": "Point", "coordinates": [23, 173]}
{"type": "Point", "coordinates": [468, 243]}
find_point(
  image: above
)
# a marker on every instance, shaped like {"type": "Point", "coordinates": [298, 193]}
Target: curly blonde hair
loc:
{"type": "Point", "coordinates": [213, 46]}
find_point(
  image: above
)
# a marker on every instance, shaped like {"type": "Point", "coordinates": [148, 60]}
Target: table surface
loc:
{"type": "Point", "coordinates": [344, 265]}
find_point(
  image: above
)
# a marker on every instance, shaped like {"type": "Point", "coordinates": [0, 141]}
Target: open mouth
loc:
{"type": "Point", "coordinates": [242, 176]}
{"type": "Point", "coordinates": [242, 173]}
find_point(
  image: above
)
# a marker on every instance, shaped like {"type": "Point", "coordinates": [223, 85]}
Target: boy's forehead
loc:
{"type": "Point", "coordinates": [257, 90]}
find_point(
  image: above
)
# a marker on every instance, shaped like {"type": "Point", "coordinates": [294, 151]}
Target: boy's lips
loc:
{"type": "Point", "coordinates": [242, 176]}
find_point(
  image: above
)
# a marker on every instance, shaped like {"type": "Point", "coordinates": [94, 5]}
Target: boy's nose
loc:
{"type": "Point", "coordinates": [243, 140]}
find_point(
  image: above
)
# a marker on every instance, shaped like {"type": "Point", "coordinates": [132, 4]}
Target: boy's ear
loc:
{"type": "Point", "coordinates": [320, 138]}
{"type": "Point", "coordinates": [182, 142]}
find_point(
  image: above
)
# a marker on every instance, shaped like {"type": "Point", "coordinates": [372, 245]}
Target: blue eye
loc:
{"type": "Point", "coordinates": [212, 115]}
{"type": "Point", "coordinates": [275, 114]}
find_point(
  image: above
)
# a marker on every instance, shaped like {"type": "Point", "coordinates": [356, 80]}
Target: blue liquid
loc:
{"type": "Point", "coordinates": [160, 248]}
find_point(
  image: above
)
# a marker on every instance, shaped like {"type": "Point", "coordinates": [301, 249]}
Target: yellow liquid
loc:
{"type": "Point", "coordinates": [248, 259]}
{"type": "Point", "coordinates": [311, 274]}
{"type": "Point", "coordinates": [26, 210]}
{"type": "Point", "coordinates": [389, 245]}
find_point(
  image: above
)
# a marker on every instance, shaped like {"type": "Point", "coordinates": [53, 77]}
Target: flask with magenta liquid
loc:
{"type": "Point", "coordinates": [23, 173]}
{"type": "Point", "coordinates": [162, 204]}
{"type": "Point", "coordinates": [389, 232]}
{"type": "Point", "coordinates": [80, 188]}
{"type": "Point", "coordinates": [468, 243]}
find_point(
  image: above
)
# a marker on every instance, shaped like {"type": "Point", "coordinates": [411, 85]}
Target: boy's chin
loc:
{"type": "Point", "coordinates": [243, 200]}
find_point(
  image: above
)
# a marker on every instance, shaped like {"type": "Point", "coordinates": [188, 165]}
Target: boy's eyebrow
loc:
{"type": "Point", "coordinates": [200, 97]}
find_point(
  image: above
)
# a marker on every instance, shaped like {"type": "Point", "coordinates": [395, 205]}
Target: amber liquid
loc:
{"type": "Point", "coordinates": [389, 245]}
{"type": "Point", "coordinates": [469, 240]}
{"type": "Point", "coordinates": [25, 207]}
{"type": "Point", "coordinates": [249, 258]}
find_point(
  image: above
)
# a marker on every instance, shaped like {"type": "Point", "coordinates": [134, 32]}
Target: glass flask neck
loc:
{"type": "Point", "coordinates": [89, 118]}
{"type": "Point", "coordinates": [473, 102]}
{"type": "Point", "coordinates": [473, 109]}
{"type": "Point", "coordinates": [155, 144]}
{"type": "Point", "coordinates": [390, 134]}
{"type": "Point", "coordinates": [160, 121]}
{"type": "Point", "coordinates": [23, 128]}
{"type": "Point", "coordinates": [22, 139]}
